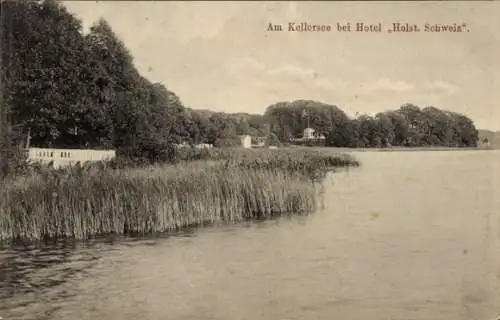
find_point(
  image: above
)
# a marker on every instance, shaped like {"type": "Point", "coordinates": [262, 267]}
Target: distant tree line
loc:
{"type": "Point", "coordinates": [67, 89]}
{"type": "Point", "coordinates": [222, 129]}
{"type": "Point", "coordinates": [409, 126]}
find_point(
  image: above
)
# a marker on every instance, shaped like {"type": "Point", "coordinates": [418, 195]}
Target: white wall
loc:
{"type": "Point", "coordinates": [246, 141]}
{"type": "Point", "coordinates": [62, 157]}
{"type": "Point", "coordinates": [204, 146]}
{"type": "Point", "coordinates": [309, 133]}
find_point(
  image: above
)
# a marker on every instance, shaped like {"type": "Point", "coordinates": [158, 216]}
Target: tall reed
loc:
{"type": "Point", "coordinates": [82, 203]}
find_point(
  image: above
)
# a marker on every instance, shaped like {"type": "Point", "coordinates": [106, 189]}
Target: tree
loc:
{"type": "Point", "coordinates": [272, 140]}
{"type": "Point", "coordinates": [288, 120]}
{"type": "Point", "coordinates": [345, 134]}
{"type": "Point", "coordinates": [439, 126]}
{"type": "Point", "coordinates": [465, 133]}
{"type": "Point", "coordinates": [385, 129]}
{"type": "Point", "coordinates": [400, 126]}
{"type": "Point", "coordinates": [42, 64]}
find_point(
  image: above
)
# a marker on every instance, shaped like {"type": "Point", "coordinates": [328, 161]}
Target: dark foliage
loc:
{"type": "Point", "coordinates": [408, 126]}
{"type": "Point", "coordinates": [67, 89]}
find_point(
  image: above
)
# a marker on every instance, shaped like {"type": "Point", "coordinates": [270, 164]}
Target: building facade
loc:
{"type": "Point", "coordinates": [65, 157]}
{"type": "Point", "coordinates": [246, 141]}
{"type": "Point", "coordinates": [309, 133]}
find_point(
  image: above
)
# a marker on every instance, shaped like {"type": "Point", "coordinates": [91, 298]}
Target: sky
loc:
{"type": "Point", "coordinates": [220, 55]}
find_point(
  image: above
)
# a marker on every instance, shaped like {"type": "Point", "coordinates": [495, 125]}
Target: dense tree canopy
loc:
{"type": "Point", "coordinates": [288, 119]}
{"type": "Point", "coordinates": [407, 126]}
{"type": "Point", "coordinates": [69, 89]}
{"type": "Point", "coordinates": [65, 88]}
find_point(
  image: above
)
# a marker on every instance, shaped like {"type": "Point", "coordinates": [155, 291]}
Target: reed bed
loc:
{"type": "Point", "coordinates": [310, 162]}
{"type": "Point", "coordinates": [282, 157]}
{"type": "Point", "coordinates": [82, 203]}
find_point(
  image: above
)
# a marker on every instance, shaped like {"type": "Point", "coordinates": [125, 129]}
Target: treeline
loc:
{"type": "Point", "coordinates": [69, 89]}
{"type": "Point", "coordinates": [409, 126]}
{"type": "Point", "coordinates": [222, 129]}
{"type": "Point", "coordinates": [66, 89]}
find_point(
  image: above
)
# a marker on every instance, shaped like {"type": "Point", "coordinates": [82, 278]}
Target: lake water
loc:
{"type": "Point", "coordinates": [409, 235]}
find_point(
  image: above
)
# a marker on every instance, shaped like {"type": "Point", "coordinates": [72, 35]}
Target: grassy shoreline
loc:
{"type": "Point", "coordinates": [225, 186]}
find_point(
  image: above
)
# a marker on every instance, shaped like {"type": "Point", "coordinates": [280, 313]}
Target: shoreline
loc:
{"type": "Point", "coordinates": [411, 149]}
{"type": "Point", "coordinates": [87, 203]}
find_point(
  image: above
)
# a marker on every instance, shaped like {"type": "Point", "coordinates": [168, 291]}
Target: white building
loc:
{"type": "Point", "coordinates": [204, 146]}
{"type": "Point", "coordinates": [258, 142]}
{"type": "Point", "coordinates": [246, 141]}
{"type": "Point", "coordinates": [182, 145]}
{"type": "Point", "coordinates": [64, 157]}
{"type": "Point", "coordinates": [197, 146]}
{"type": "Point", "coordinates": [309, 133]}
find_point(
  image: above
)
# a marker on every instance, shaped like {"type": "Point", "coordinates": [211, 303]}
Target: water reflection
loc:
{"type": "Point", "coordinates": [36, 279]}
{"type": "Point", "coordinates": [36, 276]}
{"type": "Point", "coordinates": [392, 243]}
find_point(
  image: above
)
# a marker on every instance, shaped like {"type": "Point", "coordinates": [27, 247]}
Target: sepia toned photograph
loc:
{"type": "Point", "coordinates": [246, 160]}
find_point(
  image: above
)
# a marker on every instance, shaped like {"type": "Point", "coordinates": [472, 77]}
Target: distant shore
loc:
{"type": "Point", "coordinates": [407, 149]}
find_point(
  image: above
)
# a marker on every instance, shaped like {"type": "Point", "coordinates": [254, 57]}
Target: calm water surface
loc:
{"type": "Point", "coordinates": [409, 235]}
